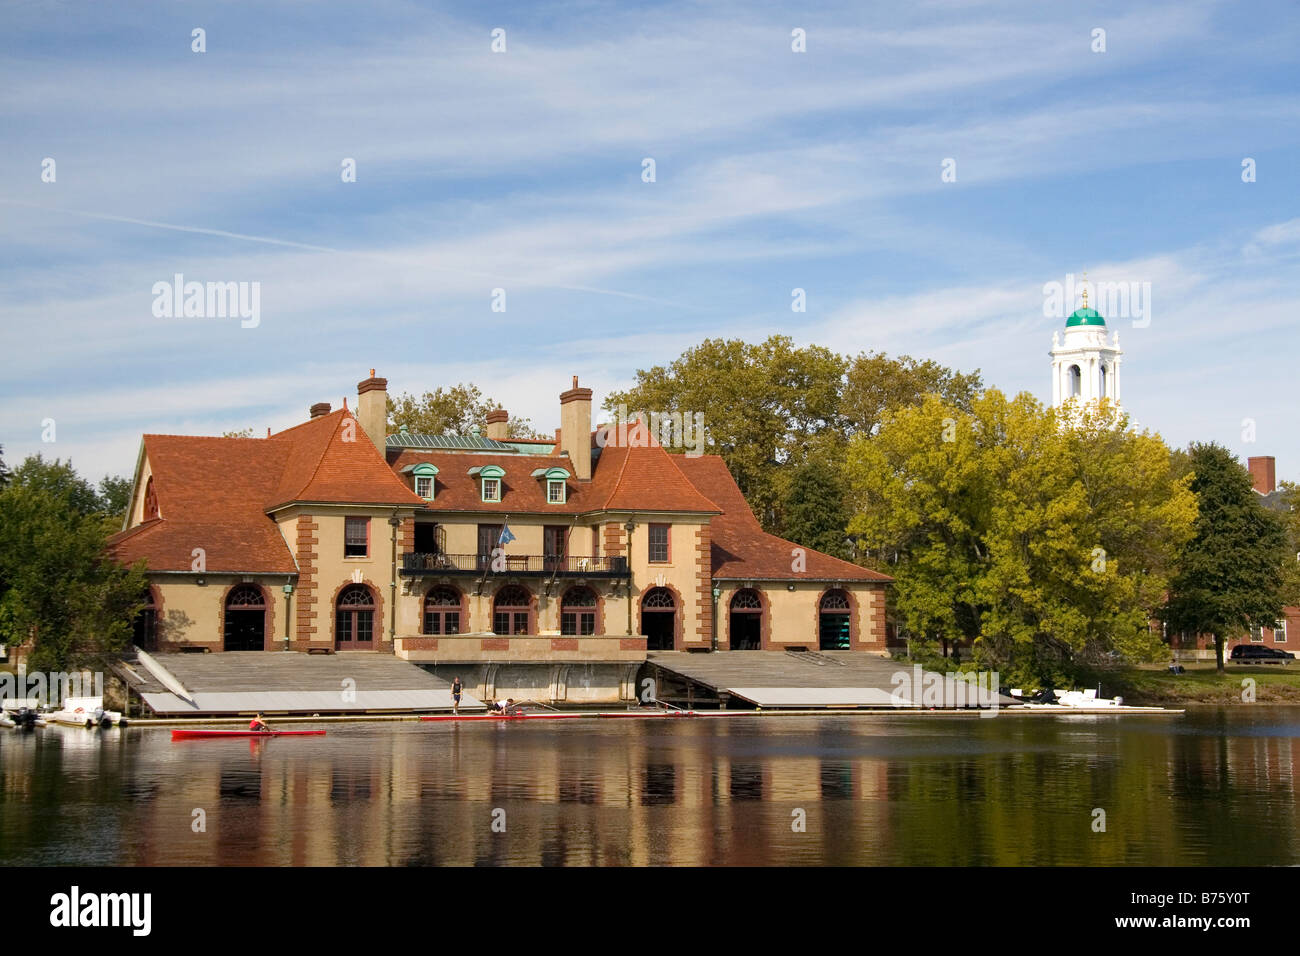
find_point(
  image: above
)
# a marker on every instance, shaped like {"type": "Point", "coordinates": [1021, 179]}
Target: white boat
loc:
{"type": "Point", "coordinates": [85, 712]}
{"type": "Point", "coordinates": [22, 711]}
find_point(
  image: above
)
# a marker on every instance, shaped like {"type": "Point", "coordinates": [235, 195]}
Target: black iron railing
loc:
{"type": "Point", "coordinates": [442, 563]}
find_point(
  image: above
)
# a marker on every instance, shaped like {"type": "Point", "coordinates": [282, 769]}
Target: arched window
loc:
{"type": "Point", "coordinates": [150, 500]}
{"type": "Point", "coordinates": [511, 610]}
{"type": "Point", "coordinates": [834, 618]}
{"type": "Point", "coordinates": [1104, 393]}
{"type": "Point", "coordinates": [442, 611]}
{"type": "Point", "coordinates": [354, 622]}
{"type": "Point", "coordinates": [578, 612]}
{"type": "Point", "coordinates": [1076, 381]}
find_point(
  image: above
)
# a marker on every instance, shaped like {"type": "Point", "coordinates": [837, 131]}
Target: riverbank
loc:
{"type": "Point", "coordinates": [1202, 684]}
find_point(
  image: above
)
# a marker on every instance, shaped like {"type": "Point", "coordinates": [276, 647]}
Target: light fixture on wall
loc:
{"type": "Point", "coordinates": [790, 586]}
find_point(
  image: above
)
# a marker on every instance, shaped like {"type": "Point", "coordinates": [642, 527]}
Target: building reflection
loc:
{"type": "Point", "coordinates": [737, 792]}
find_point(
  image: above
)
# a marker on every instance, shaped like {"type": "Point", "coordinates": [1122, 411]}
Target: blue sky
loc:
{"type": "Point", "coordinates": [522, 170]}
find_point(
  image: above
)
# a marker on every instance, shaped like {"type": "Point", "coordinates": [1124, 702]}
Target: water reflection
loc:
{"type": "Point", "coordinates": [1218, 786]}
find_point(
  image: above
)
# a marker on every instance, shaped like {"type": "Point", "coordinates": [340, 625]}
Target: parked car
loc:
{"type": "Point", "coordinates": [1259, 654]}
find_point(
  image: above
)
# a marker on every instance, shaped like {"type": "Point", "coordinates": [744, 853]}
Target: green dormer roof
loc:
{"type": "Point", "coordinates": [1085, 316]}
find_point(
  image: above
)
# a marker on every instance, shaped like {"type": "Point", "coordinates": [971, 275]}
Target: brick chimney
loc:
{"type": "Point", "coordinates": [575, 429]}
{"type": "Point", "coordinates": [320, 409]}
{"type": "Point", "coordinates": [498, 425]}
{"type": "Point", "coordinates": [372, 408]}
{"type": "Point", "coordinates": [1263, 472]}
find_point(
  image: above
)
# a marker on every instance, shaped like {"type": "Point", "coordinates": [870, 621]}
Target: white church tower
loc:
{"type": "Point", "coordinates": [1085, 366]}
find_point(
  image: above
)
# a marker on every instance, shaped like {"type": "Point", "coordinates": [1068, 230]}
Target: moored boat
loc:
{"type": "Point", "coordinates": [86, 712]}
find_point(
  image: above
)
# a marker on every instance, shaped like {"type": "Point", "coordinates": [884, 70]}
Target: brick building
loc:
{"type": "Point", "coordinates": [598, 545]}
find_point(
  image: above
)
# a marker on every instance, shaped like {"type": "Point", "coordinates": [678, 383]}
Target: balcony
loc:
{"type": "Point", "coordinates": [521, 565]}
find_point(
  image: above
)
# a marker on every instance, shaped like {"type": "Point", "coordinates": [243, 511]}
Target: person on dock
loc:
{"type": "Point", "coordinates": [455, 695]}
{"type": "Point", "coordinates": [258, 724]}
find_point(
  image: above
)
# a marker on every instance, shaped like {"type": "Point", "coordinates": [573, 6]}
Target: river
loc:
{"type": "Point", "coordinates": [1216, 786]}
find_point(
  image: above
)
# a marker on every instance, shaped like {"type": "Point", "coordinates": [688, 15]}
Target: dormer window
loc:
{"type": "Point", "coordinates": [557, 491]}
{"type": "Point", "coordinates": [490, 483]}
{"type": "Point", "coordinates": [423, 474]}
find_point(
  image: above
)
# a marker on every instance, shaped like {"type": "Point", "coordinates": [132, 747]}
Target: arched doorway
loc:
{"type": "Point", "coordinates": [245, 619]}
{"type": "Point", "coordinates": [442, 611]}
{"type": "Point", "coordinates": [746, 621]}
{"type": "Point", "coordinates": [578, 612]}
{"type": "Point", "coordinates": [354, 619]}
{"type": "Point", "coordinates": [512, 611]}
{"type": "Point", "coordinates": [659, 619]}
{"type": "Point", "coordinates": [834, 616]}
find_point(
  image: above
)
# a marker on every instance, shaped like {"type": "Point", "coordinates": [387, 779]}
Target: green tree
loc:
{"type": "Point", "coordinates": [814, 510]}
{"type": "Point", "coordinates": [1231, 574]}
{"type": "Point", "coordinates": [1043, 545]}
{"type": "Point", "coordinates": [58, 587]}
{"type": "Point", "coordinates": [454, 409]}
{"type": "Point", "coordinates": [1291, 562]}
{"type": "Point", "coordinates": [876, 384]}
{"type": "Point", "coordinates": [115, 496]}
{"type": "Point", "coordinates": [4, 472]}
{"type": "Point", "coordinates": [765, 407]}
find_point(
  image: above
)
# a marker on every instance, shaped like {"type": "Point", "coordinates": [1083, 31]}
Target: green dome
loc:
{"type": "Point", "coordinates": [1085, 317]}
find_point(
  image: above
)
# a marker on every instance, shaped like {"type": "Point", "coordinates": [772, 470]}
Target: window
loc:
{"type": "Point", "coordinates": [555, 540]}
{"type": "Point", "coordinates": [424, 486]}
{"type": "Point", "coordinates": [658, 538]}
{"type": "Point", "coordinates": [490, 484]}
{"type": "Point", "coordinates": [1076, 381]}
{"type": "Point", "coordinates": [555, 489]}
{"type": "Point", "coordinates": [1257, 634]}
{"type": "Point", "coordinates": [595, 541]}
{"type": "Point", "coordinates": [1279, 632]}
{"type": "Point", "coordinates": [510, 610]}
{"type": "Point", "coordinates": [578, 612]}
{"type": "Point", "coordinates": [356, 537]}
{"type": "Point", "coordinates": [354, 622]}
{"type": "Point", "coordinates": [150, 500]}
{"type": "Point", "coordinates": [442, 611]}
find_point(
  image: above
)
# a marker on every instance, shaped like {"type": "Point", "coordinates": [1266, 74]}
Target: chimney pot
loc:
{"type": "Point", "coordinates": [498, 424]}
{"type": "Point", "coordinates": [320, 409]}
{"type": "Point", "coordinates": [575, 429]}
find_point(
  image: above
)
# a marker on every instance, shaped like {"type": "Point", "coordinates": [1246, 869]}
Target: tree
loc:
{"type": "Point", "coordinates": [455, 409]}
{"type": "Point", "coordinates": [1291, 561]}
{"type": "Point", "coordinates": [814, 509]}
{"type": "Point", "coordinates": [876, 384]}
{"type": "Point", "coordinates": [4, 472]}
{"type": "Point", "coordinates": [115, 495]}
{"type": "Point", "coordinates": [58, 587]}
{"type": "Point", "coordinates": [1231, 574]}
{"type": "Point", "coordinates": [242, 433]}
{"type": "Point", "coordinates": [765, 407]}
{"type": "Point", "coordinates": [1039, 544]}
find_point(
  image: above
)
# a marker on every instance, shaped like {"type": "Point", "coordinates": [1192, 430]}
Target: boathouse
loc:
{"type": "Point", "coordinates": [345, 534]}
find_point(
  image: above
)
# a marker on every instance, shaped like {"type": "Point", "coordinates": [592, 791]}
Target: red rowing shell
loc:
{"type": "Point", "coordinates": [190, 734]}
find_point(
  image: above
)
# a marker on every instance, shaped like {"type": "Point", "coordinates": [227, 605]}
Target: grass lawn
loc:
{"type": "Point", "coordinates": [1153, 684]}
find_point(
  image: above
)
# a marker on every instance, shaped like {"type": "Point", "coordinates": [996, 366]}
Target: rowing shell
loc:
{"type": "Point", "coordinates": [192, 734]}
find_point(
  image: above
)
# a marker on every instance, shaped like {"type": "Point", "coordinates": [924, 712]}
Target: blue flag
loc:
{"type": "Point", "coordinates": [506, 536]}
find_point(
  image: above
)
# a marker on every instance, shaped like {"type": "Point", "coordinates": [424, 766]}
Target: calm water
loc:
{"type": "Point", "coordinates": [1216, 786]}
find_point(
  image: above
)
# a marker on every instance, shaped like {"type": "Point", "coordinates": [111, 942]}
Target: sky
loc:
{"type": "Point", "coordinates": [920, 170]}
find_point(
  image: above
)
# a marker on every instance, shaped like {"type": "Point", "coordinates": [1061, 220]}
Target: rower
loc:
{"type": "Point", "coordinates": [258, 724]}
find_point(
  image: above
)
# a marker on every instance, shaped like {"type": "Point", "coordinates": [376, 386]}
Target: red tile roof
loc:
{"type": "Point", "coordinates": [743, 550]}
{"type": "Point", "coordinates": [214, 493]}
{"type": "Point", "coordinates": [211, 492]}
{"type": "Point", "coordinates": [332, 460]}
